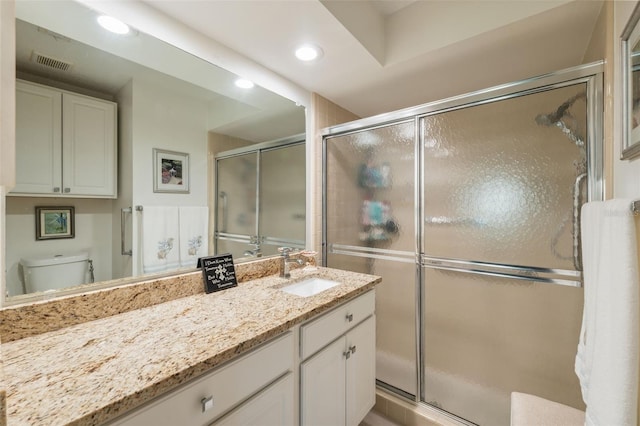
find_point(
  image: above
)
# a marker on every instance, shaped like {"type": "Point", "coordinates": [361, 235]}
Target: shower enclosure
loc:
{"type": "Point", "coordinates": [469, 210]}
{"type": "Point", "coordinates": [260, 198]}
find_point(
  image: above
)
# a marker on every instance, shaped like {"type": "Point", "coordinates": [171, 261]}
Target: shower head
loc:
{"type": "Point", "coordinates": [556, 118]}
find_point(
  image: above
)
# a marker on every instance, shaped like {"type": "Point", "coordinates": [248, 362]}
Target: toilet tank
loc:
{"type": "Point", "coordinates": [54, 271]}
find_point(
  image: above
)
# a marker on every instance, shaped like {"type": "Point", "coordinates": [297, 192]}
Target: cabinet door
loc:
{"type": "Point", "coordinates": [322, 387]}
{"type": "Point", "coordinates": [89, 142]}
{"type": "Point", "coordinates": [38, 139]}
{"type": "Point", "coordinates": [361, 371]}
{"type": "Point", "coordinates": [271, 407]}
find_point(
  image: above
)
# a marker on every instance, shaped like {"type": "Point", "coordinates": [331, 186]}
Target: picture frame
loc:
{"type": "Point", "coordinates": [55, 222]}
{"type": "Point", "coordinates": [170, 171]}
{"type": "Point", "coordinates": [630, 56]}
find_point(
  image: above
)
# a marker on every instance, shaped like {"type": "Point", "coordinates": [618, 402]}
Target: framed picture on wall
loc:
{"type": "Point", "coordinates": [53, 222]}
{"type": "Point", "coordinates": [170, 171]}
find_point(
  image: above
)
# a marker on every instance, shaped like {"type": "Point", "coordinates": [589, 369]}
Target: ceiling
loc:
{"type": "Point", "coordinates": [383, 55]}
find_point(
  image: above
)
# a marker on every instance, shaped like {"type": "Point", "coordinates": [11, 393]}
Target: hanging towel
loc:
{"type": "Point", "coordinates": [160, 239]}
{"type": "Point", "coordinates": [607, 358]}
{"type": "Point", "coordinates": [194, 235]}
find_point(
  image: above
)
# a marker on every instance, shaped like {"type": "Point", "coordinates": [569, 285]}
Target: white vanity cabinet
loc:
{"type": "Point", "coordinates": [337, 375]}
{"type": "Point", "coordinates": [66, 143]}
{"type": "Point", "coordinates": [258, 385]}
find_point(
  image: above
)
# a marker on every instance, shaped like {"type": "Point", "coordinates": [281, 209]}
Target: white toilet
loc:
{"type": "Point", "coordinates": [54, 271]}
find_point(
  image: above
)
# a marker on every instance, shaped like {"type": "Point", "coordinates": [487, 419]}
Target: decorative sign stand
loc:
{"type": "Point", "coordinates": [218, 272]}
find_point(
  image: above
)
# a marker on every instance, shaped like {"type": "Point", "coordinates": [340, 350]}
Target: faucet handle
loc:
{"type": "Point", "coordinates": [285, 251]}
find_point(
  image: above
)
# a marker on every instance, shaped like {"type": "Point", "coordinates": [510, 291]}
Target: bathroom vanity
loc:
{"type": "Point", "coordinates": [250, 352]}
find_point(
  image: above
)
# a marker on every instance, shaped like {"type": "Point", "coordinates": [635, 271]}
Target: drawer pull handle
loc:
{"type": "Point", "coordinates": [347, 354]}
{"type": "Point", "coordinates": [67, 190]}
{"type": "Point", "coordinates": [349, 317]}
{"type": "Point", "coordinates": [352, 349]}
{"type": "Point", "coordinates": [56, 189]}
{"type": "Point", "coordinates": [207, 403]}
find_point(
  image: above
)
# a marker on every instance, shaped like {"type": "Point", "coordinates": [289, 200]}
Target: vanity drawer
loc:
{"type": "Point", "coordinates": [322, 331]}
{"type": "Point", "coordinates": [227, 387]}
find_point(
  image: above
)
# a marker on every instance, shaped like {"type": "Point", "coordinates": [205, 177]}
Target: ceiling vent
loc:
{"type": "Point", "coordinates": [50, 62]}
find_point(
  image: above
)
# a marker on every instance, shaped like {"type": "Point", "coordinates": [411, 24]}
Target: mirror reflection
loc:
{"type": "Point", "coordinates": [102, 121]}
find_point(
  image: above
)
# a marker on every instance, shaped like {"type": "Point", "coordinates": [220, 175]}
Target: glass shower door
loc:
{"type": "Point", "coordinates": [236, 204]}
{"type": "Point", "coordinates": [282, 198]}
{"type": "Point", "coordinates": [503, 184]}
{"type": "Point", "coordinates": [370, 227]}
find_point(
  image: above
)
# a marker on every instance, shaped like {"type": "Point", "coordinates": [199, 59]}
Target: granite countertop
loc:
{"type": "Point", "coordinates": [95, 371]}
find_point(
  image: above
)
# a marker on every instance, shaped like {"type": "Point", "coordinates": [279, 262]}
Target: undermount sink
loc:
{"type": "Point", "coordinates": [309, 287]}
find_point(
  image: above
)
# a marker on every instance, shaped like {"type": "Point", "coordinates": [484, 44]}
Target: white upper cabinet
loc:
{"type": "Point", "coordinates": [38, 139]}
{"type": "Point", "coordinates": [66, 144]}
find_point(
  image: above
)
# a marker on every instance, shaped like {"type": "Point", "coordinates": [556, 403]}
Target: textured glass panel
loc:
{"type": "Point", "coordinates": [370, 188]}
{"type": "Point", "coordinates": [282, 193]}
{"type": "Point", "coordinates": [485, 337]}
{"type": "Point", "coordinates": [235, 248]}
{"type": "Point", "coordinates": [271, 249]}
{"type": "Point", "coordinates": [500, 179]}
{"type": "Point", "coordinates": [237, 194]}
{"type": "Point", "coordinates": [395, 317]}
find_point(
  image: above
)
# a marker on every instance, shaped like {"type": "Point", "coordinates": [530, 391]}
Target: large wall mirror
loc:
{"type": "Point", "coordinates": [168, 101]}
{"type": "Point", "coordinates": [630, 51]}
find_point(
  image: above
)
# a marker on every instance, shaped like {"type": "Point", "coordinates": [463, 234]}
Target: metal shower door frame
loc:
{"type": "Point", "coordinates": [590, 74]}
{"type": "Point", "coordinates": [257, 149]}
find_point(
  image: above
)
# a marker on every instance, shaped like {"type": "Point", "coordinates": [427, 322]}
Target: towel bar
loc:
{"type": "Point", "coordinates": [123, 212]}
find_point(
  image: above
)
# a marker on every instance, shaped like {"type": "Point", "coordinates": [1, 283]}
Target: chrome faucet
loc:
{"type": "Point", "coordinates": [256, 252]}
{"type": "Point", "coordinates": [284, 262]}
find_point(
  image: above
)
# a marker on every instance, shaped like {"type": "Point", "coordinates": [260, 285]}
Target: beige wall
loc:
{"type": "Point", "coordinates": [601, 47]}
{"type": "Point", "coordinates": [626, 173]}
{"type": "Point", "coordinates": [322, 113]}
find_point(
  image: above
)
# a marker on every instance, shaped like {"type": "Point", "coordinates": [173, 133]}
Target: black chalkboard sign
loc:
{"type": "Point", "coordinates": [218, 272]}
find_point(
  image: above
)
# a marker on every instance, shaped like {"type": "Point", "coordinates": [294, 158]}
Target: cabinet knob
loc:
{"type": "Point", "coordinates": [347, 354]}
{"type": "Point", "coordinates": [67, 190]}
{"type": "Point", "coordinates": [349, 317]}
{"type": "Point", "coordinates": [207, 403]}
{"type": "Point", "coordinates": [56, 189]}
{"type": "Point", "coordinates": [352, 349]}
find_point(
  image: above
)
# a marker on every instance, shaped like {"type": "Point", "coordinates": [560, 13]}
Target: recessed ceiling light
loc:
{"type": "Point", "coordinates": [243, 83]}
{"type": "Point", "coordinates": [112, 24]}
{"type": "Point", "coordinates": [308, 52]}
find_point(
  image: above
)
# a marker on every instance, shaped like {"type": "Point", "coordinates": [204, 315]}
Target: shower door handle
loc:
{"type": "Point", "coordinates": [225, 210]}
{"type": "Point", "coordinates": [577, 259]}
{"type": "Point", "coordinates": [123, 213]}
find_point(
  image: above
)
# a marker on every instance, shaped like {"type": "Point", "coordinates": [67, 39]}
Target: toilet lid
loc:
{"type": "Point", "coordinates": [56, 259]}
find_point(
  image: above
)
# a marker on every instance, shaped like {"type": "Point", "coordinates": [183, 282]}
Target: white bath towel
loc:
{"type": "Point", "coordinates": [607, 358]}
{"type": "Point", "coordinates": [194, 234]}
{"type": "Point", "coordinates": [160, 239]}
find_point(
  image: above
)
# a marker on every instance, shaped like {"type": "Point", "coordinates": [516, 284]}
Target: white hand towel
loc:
{"type": "Point", "coordinates": [607, 358]}
{"type": "Point", "coordinates": [160, 239]}
{"type": "Point", "coordinates": [194, 234]}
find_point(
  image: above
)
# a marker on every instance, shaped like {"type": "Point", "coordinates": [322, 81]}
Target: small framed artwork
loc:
{"type": "Point", "coordinates": [170, 171]}
{"type": "Point", "coordinates": [53, 222]}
